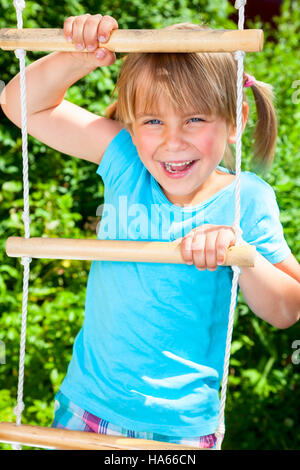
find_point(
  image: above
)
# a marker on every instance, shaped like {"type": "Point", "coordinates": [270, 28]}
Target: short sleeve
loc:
{"type": "Point", "coordinates": [120, 156]}
{"type": "Point", "coordinates": [261, 221]}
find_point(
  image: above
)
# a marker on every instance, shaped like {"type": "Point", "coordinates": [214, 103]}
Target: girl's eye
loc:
{"type": "Point", "coordinates": [197, 119]}
{"type": "Point", "coordinates": [157, 121]}
{"type": "Point", "coordinates": [153, 121]}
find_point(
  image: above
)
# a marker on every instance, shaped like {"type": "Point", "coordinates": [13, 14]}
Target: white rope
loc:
{"type": "Point", "coordinates": [239, 57]}
{"type": "Point", "coordinates": [19, 6]}
{"type": "Point", "coordinates": [20, 54]}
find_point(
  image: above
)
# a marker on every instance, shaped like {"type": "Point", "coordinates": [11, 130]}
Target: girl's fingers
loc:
{"type": "Point", "coordinates": [224, 240]}
{"type": "Point", "coordinates": [86, 31]}
{"type": "Point", "coordinates": [198, 247]}
{"type": "Point", "coordinates": [68, 28]}
{"type": "Point", "coordinates": [210, 251]}
{"type": "Point", "coordinates": [90, 32]}
{"type": "Point", "coordinates": [186, 248]}
{"type": "Point", "coordinates": [206, 246]}
{"type": "Point", "coordinates": [105, 28]}
{"type": "Point", "coordinates": [78, 31]}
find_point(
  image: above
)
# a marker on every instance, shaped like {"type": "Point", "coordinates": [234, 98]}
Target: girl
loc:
{"type": "Point", "coordinates": [148, 360]}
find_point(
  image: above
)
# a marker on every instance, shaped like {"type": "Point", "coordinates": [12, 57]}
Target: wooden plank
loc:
{"type": "Point", "coordinates": [78, 440]}
{"type": "Point", "coordinates": [139, 40]}
{"type": "Point", "coordinates": [115, 250]}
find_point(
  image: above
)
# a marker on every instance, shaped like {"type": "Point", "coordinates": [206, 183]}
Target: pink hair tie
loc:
{"type": "Point", "coordinates": [250, 81]}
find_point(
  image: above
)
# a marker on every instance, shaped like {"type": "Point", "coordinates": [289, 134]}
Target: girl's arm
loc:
{"type": "Point", "coordinates": [271, 291]}
{"type": "Point", "coordinates": [53, 120]}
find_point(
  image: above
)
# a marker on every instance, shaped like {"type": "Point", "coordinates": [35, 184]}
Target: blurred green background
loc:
{"type": "Point", "coordinates": [263, 393]}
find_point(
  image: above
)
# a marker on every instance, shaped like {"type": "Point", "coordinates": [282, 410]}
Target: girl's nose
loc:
{"type": "Point", "coordinates": [174, 139]}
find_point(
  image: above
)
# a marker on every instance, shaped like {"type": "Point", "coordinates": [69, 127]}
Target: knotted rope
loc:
{"type": "Point", "coordinates": [25, 261]}
{"type": "Point", "coordinates": [239, 57]}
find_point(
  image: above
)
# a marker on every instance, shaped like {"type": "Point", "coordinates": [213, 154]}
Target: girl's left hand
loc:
{"type": "Point", "coordinates": [205, 246]}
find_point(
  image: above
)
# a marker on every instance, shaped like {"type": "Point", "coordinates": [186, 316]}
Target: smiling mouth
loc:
{"type": "Point", "coordinates": [177, 167]}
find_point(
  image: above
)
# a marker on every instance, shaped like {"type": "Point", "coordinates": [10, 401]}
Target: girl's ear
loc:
{"type": "Point", "coordinates": [232, 129]}
{"type": "Point", "coordinates": [231, 134]}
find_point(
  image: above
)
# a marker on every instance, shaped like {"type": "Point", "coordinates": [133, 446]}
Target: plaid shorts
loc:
{"type": "Point", "coordinates": [70, 416]}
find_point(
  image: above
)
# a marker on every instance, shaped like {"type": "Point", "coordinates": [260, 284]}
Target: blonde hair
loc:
{"type": "Point", "coordinates": [204, 82]}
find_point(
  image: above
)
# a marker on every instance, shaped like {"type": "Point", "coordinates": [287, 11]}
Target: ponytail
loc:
{"type": "Point", "coordinates": [110, 111]}
{"type": "Point", "coordinates": [265, 133]}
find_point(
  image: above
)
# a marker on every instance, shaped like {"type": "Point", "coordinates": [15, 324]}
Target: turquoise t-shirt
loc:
{"type": "Point", "coordinates": [149, 356]}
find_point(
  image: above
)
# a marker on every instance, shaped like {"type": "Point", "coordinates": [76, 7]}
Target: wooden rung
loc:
{"type": "Point", "coordinates": [64, 439]}
{"type": "Point", "coordinates": [139, 40]}
{"type": "Point", "coordinates": [115, 250]}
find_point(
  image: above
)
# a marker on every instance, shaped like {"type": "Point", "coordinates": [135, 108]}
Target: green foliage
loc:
{"type": "Point", "coordinates": [263, 393]}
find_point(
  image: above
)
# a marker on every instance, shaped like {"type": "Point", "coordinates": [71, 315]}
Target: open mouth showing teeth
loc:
{"type": "Point", "coordinates": [178, 167]}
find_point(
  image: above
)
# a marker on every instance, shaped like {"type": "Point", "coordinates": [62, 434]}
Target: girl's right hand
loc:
{"type": "Point", "coordinates": [86, 31]}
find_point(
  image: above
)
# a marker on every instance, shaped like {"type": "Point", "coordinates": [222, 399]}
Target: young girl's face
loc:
{"type": "Point", "coordinates": [181, 150]}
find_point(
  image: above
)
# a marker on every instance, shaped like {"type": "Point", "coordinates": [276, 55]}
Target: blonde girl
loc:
{"type": "Point", "coordinates": [148, 360]}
